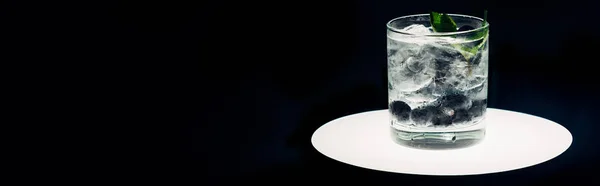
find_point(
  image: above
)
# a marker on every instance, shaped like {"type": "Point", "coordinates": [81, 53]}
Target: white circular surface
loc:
{"type": "Point", "coordinates": [513, 140]}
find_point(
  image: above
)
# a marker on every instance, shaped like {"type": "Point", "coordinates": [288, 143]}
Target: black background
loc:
{"type": "Point", "coordinates": [230, 92]}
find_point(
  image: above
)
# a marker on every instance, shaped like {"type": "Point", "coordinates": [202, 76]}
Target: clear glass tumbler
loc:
{"type": "Point", "coordinates": [437, 82]}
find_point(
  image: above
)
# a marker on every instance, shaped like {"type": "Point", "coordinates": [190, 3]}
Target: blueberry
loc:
{"type": "Point", "coordinates": [461, 116]}
{"type": "Point", "coordinates": [443, 116]}
{"type": "Point", "coordinates": [400, 110]}
{"type": "Point", "coordinates": [442, 64]}
{"type": "Point", "coordinates": [478, 108]}
{"type": "Point", "coordinates": [422, 115]}
{"type": "Point", "coordinates": [465, 28]}
{"type": "Point", "coordinates": [456, 101]}
{"type": "Point", "coordinates": [442, 121]}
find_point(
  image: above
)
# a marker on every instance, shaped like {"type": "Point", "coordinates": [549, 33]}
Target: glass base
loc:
{"type": "Point", "coordinates": [438, 140]}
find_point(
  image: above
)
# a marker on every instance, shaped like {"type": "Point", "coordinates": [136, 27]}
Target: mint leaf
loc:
{"type": "Point", "coordinates": [441, 22]}
{"type": "Point", "coordinates": [484, 17]}
{"type": "Point", "coordinates": [483, 33]}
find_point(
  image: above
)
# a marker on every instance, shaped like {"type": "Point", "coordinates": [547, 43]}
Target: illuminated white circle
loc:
{"type": "Point", "coordinates": [513, 140]}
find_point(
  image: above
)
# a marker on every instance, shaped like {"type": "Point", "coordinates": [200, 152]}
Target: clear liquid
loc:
{"type": "Point", "coordinates": [435, 85]}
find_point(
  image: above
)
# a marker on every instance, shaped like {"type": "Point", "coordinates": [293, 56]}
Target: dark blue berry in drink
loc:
{"type": "Point", "coordinates": [442, 116]}
{"type": "Point", "coordinates": [400, 110]}
{"type": "Point", "coordinates": [478, 108]}
{"type": "Point", "coordinates": [456, 102]}
{"type": "Point", "coordinates": [422, 115]}
{"type": "Point", "coordinates": [461, 116]}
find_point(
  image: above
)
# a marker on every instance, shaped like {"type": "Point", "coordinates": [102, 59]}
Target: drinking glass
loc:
{"type": "Point", "coordinates": [437, 81]}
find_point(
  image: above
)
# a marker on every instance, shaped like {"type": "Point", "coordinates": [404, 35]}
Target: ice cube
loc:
{"type": "Point", "coordinates": [417, 29]}
{"type": "Point", "coordinates": [474, 83]}
{"type": "Point", "coordinates": [448, 63]}
{"type": "Point", "coordinates": [405, 79]}
{"type": "Point", "coordinates": [425, 95]}
{"type": "Point", "coordinates": [398, 52]}
{"type": "Point", "coordinates": [413, 73]}
{"type": "Point", "coordinates": [451, 74]}
{"type": "Point", "coordinates": [443, 52]}
{"type": "Point", "coordinates": [452, 70]}
{"type": "Point", "coordinates": [478, 92]}
{"type": "Point", "coordinates": [470, 84]}
{"type": "Point", "coordinates": [416, 65]}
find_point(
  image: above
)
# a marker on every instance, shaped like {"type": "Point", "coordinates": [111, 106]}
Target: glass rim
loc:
{"type": "Point", "coordinates": [388, 24]}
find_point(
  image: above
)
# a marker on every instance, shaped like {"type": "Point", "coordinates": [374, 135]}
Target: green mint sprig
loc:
{"type": "Point", "coordinates": [441, 22]}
